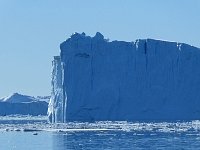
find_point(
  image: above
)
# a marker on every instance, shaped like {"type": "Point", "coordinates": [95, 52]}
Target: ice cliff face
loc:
{"type": "Point", "coordinates": [56, 104]}
{"type": "Point", "coordinates": [94, 79]}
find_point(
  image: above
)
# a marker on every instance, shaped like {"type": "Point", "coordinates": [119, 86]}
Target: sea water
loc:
{"type": "Point", "coordinates": [37, 134]}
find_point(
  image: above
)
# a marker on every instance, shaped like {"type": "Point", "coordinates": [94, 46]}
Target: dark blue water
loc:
{"type": "Point", "coordinates": [124, 140]}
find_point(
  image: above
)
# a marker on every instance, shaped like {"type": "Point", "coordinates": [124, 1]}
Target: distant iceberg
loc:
{"type": "Point", "coordinates": [23, 105]}
{"type": "Point", "coordinates": [94, 80]}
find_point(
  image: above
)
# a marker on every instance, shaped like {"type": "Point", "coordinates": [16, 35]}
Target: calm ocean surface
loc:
{"type": "Point", "coordinates": [100, 135]}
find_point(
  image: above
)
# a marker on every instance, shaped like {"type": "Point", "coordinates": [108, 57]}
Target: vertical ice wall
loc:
{"type": "Point", "coordinates": [55, 109]}
{"type": "Point", "coordinates": [143, 80]}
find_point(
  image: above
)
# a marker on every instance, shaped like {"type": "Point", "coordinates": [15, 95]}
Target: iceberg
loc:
{"type": "Point", "coordinates": [23, 105]}
{"type": "Point", "coordinates": [97, 80]}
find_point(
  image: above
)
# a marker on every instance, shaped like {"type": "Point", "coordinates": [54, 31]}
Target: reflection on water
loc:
{"type": "Point", "coordinates": [124, 140]}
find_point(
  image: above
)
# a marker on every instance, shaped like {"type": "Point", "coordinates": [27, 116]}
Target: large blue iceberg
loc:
{"type": "Point", "coordinates": [97, 80]}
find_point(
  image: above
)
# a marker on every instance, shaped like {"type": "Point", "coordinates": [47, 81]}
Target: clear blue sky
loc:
{"type": "Point", "coordinates": [31, 31]}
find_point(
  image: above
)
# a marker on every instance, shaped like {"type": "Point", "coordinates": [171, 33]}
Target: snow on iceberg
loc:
{"type": "Point", "coordinates": [94, 80]}
{"type": "Point", "coordinates": [18, 98]}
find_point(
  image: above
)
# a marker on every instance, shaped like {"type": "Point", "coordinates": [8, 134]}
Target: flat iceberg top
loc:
{"type": "Point", "coordinates": [99, 37]}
